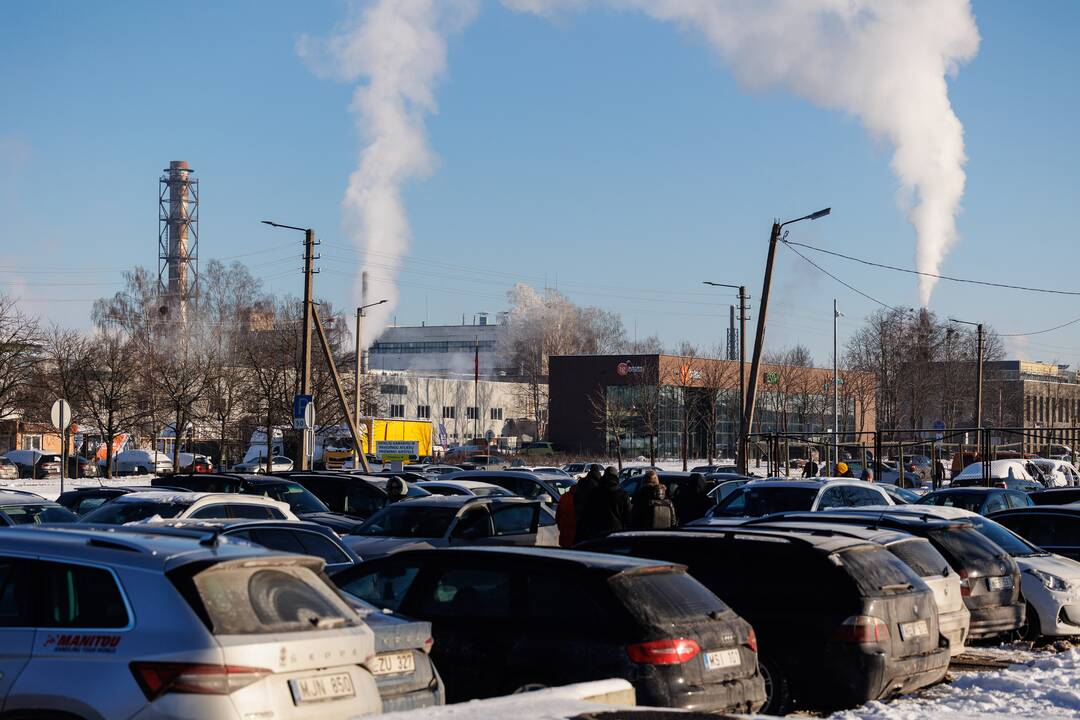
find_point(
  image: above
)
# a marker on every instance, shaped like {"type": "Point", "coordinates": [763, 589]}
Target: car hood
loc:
{"type": "Point", "coordinates": [1063, 567]}
{"type": "Point", "coordinates": [338, 522]}
{"type": "Point", "coordinates": [371, 547]}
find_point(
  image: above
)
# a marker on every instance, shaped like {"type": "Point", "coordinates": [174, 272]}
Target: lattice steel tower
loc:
{"type": "Point", "coordinates": [178, 239]}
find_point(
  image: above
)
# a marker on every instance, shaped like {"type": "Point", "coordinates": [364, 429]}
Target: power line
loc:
{"type": "Point", "coordinates": [950, 278]}
{"type": "Point", "coordinates": [1040, 332]}
{"type": "Point", "coordinates": [854, 289]}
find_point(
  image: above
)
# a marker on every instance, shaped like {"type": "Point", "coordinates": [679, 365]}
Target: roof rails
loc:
{"type": "Point", "coordinates": [22, 492]}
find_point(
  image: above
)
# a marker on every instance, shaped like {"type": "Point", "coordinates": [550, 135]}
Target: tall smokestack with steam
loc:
{"type": "Point", "coordinates": [398, 48]}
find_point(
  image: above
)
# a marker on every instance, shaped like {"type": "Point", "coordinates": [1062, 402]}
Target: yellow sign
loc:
{"type": "Point", "coordinates": [394, 457]}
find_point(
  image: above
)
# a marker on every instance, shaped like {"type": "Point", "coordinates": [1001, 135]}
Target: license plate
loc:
{"type": "Point", "coordinates": [718, 659]}
{"type": "Point", "coordinates": [393, 663]}
{"type": "Point", "coordinates": [1001, 583]}
{"type": "Point", "coordinates": [321, 687]}
{"type": "Point", "coordinates": [915, 629]}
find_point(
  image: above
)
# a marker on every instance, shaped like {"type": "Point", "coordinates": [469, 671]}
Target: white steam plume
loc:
{"type": "Point", "coordinates": [398, 48]}
{"type": "Point", "coordinates": [884, 61]}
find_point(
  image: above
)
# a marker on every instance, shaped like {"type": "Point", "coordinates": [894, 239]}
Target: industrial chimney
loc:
{"type": "Point", "coordinates": [178, 240]}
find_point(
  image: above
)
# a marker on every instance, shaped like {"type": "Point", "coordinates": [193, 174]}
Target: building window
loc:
{"type": "Point", "coordinates": [448, 412]}
{"type": "Point", "coordinates": [496, 413]}
{"type": "Point", "coordinates": [423, 412]}
{"type": "Point", "coordinates": [397, 411]}
{"type": "Point", "coordinates": [393, 390]}
{"type": "Point", "coordinates": [31, 442]}
{"type": "Point", "coordinates": [472, 413]}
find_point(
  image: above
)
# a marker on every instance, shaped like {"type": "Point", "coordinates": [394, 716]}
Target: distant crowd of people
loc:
{"type": "Point", "coordinates": [597, 505]}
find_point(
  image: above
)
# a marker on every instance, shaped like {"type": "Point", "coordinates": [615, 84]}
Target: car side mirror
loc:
{"type": "Point", "coordinates": [545, 498]}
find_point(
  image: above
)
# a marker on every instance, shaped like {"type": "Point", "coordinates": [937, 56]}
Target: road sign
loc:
{"type": "Point", "coordinates": [384, 448]}
{"type": "Point", "coordinates": [61, 414]}
{"type": "Point", "coordinates": [939, 429]}
{"type": "Point", "coordinates": [302, 418]}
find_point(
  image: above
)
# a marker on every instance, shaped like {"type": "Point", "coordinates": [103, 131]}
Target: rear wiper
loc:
{"type": "Point", "coordinates": [325, 623]}
{"type": "Point", "coordinates": [896, 586]}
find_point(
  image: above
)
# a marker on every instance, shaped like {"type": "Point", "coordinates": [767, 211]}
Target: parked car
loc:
{"type": "Point", "coordinates": [195, 463]}
{"type": "Point", "coordinates": [18, 507]}
{"type": "Point", "coordinates": [538, 447]}
{"type": "Point", "coordinates": [126, 624]}
{"type": "Point", "coordinates": [1055, 496]}
{"type": "Point", "coordinates": [353, 495]}
{"type": "Point", "coordinates": [82, 500]}
{"type": "Point", "coordinates": [8, 469]}
{"type": "Point", "coordinates": [710, 469]}
{"type": "Point", "coordinates": [440, 470]}
{"type": "Point", "coordinates": [629, 471]}
{"type": "Point", "coordinates": [300, 500]}
{"type": "Point", "coordinates": [899, 495]}
{"type": "Point", "coordinates": [725, 485]}
{"type": "Point", "coordinates": [844, 623]}
{"type": "Point", "coordinates": [1054, 528]}
{"type": "Point", "coordinates": [765, 497]}
{"type": "Point", "coordinates": [511, 619]}
{"type": "Point", "coordinates": [1057, 473]}
{"type": "Point", "coordinates": [545, 488]}
{"type": "Point", "coordinates": [484, 462]}
{"type": "Point", "coordinates": [576, 469]}
{"type": "Point", "coordinates": [279, 464]}
{"type": "Point", "coordinates": [1048, 582]}
{"type": "Point", "coordinates": [142, 462]}
{"type": "Point", "coordinates": [80, 467]}
{"type": "Point", "coordinates": [442, 521]}
{"type": "Point", "coordinates": [463, 487]}
{"type": "Point", "coordinates": [542, 470]}
{"type": "Point", "coordinates": [990, 579]}
{"type": "Point", "coordinates": [35, 464]}
{"type": "Point", "coordinates": [954, 619]}
{"type": "Point", "coordinates": [979, 500]}
{"type": "Point", "coordinates": [1009, 469]}
{"type": "Point", "coordinates": [163, 504]}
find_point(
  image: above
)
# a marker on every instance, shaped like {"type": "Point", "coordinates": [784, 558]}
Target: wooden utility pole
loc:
{"type": "Point", "coordinates": [309, 309]}
{"type": "Point", "coordinates": [353, 425]}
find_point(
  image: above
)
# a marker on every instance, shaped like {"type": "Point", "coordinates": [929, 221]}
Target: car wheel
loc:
{"type": "Point", "coordinates": [1032, 627]}
{"type": "Point", "coordinates": [777, 688]}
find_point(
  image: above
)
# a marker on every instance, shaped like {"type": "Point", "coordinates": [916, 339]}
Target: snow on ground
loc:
{"type": "Point", "coordinates": [1048, 687]}
{"type": "Point", "coordinates": [49, 488]}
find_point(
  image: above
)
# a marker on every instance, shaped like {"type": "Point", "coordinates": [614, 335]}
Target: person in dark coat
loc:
{"type": "Point", "coordinates": [651, 508]}
{"type": "Point", "coordinates": [585, 487]}
{"type": "Point", "coordinates": [566, 518]}
{"type": "Point", "coordinates": [692, 499]}
{"type": "Point", "coordinates": [810, 469]}
{"type": "Point", "coordinates": [606, 510]}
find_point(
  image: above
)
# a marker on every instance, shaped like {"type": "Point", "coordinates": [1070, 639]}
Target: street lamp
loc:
{"type": "Point", "coordinates": [305, 383]}
{"type": "Point", "coordinates": [759, 339]}
{"type": "Point", "coordinates": [981, 342]}
{"type": "Point", "coordinates": [742, 358]}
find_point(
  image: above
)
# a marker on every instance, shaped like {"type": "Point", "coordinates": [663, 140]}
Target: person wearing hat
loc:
{"type": "Point", "coordinates": [842, 470]}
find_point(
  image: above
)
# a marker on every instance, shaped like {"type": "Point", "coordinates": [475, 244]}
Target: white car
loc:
{"type": "Point", "coordinates": [1050, 583]}
{"type": "Point", "coordinates": [258, 464]}
{"type": "Point", "coordinates": [999, 470]}
{"type": "Point", "coordinates": [142, 462]}
{"type": "Point", "coordinates": [765, 497]}
{"type": "Point", "coordinates": [473, 488]}
{"type": "Point", "coordinates": [542, 470]}
{"type": "Point", "coordinates": [171, 504]}
{"type": "Point", "coordinates": [1058, 473]}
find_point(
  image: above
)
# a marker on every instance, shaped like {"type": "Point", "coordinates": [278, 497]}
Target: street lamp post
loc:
{"type": "Point", "coordinates": [739, 459]}
{"type": "Point", "coordinates": [759, 339]}
{"type": "Point", "coordinates": [835, 387]}
{"type": "Point", "coordinates": [360, 368]}
{"type": "Point", "coordinates": [305, 384]}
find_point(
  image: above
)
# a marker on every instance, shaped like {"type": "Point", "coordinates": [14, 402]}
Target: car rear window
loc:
{"type": "Point", "coordinates": [968, 547]}
{"type": "Point", "coordinates": [878, 572]}
{"type": "Point", "coordinates": [299, 499]}
{"type": "Point", "coordinates": [662, 598]}
{"type": "Point", "coordinates": [921, 557]}
{"type": "Point", "coordinates": [1004, 538]}
{"type": "Point", "coordinates": [965, 501]}
{"type": "Point", "coordinates": [404, 521]}
{"type": "Point", "coordinates": [38, 514]}
{"type": "Point", "coordinates": [269, 599]}
{"type": "Point", "coordinates": [758, 501]}
{"type": "Point", "coordinates": [119, 512]}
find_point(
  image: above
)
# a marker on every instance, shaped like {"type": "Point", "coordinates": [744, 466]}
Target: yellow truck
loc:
{"type": "Point", "coordinates": [385, 438]}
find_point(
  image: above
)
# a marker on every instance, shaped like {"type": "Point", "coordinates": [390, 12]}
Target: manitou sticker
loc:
{"type": "Point", "coordinates": [72, 643]}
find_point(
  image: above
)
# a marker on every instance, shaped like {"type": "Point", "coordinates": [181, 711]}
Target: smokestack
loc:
{"type": "Point", "coordinates": [178, 238]}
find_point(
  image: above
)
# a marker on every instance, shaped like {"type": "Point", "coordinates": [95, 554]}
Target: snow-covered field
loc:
{"type": "Point", "coordinates": [49, 488]}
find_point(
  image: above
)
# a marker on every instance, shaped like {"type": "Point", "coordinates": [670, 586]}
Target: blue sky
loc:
{"type": "Point", "coordinates": [606, 154]}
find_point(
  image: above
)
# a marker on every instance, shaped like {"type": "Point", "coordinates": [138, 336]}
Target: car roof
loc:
{"type": "Point", "coordinates": [869, 515]}
{"type": "Point", "coordinates": [605, 562]}
{"type": "Point", "coordinates": [464, 484]}
{"type": "Point", "coordinates": [809, 483]}
{"type": "Point", "coordinates": [22, 497]}
{"type": "Point", "coordinates": [825, 543]}
{"type": "Point", "coordinates": [1067, 509]}
{"type": "Point", "coordinates": [941, 511]}
{"type": "Point", "coordinates": [122, 546]}
{"type": "Point", "coordinates": [870, 532]}
{"type": "Point", "coordinates": [524, 474]}
{"type": "Point", "coordinates": [969, 489]}
{"type": "Point", "coordinates": [210, 524]}
{"type": "Point", "coordinates": [187, 496]}
{"type": "Point", "coordinates": [457, 501]}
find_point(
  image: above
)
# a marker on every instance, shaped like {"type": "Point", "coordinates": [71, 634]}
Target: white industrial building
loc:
{"type": "Point", "coordinates": [438, 348]}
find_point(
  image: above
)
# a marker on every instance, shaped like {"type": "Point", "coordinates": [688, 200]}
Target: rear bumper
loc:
{"type": "Point", "coordinates": [954, 627]}
{"type": "Point", "coordinates": [996, 619]}
{"type": "Point", "coordinates": [852, 676]}
{"type": "Point", "coordinates": [741, 695]}
{"type": "Point", "coordinates": [415, 700]}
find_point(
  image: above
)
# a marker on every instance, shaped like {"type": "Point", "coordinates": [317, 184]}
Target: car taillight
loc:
{"type": "Point", "coordinates": [751, 640]}
{"type": "Point", "coordinates": [663, 652]}
{"type": "Point", "coordinates": [965, 584]}
{"type": "Point", "coordinates": [862, 629]}
{"type": "Point", "coordinates": [428, 644]}
{"type": "Point", "coordinates": [159, 678]}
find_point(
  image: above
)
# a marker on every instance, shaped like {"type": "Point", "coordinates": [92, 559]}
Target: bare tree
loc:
{"type": "Point", "coordinates": [718, 378]}
{"type": "Point", "coordinates": [19, 338]}
{"type": "Point", "coordinates": [110, 379]}
{"type": "Point", "coordinates": [684, 380]}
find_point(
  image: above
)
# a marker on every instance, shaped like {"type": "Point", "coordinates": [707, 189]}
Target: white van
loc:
{"type": "Point", "coordinates": [142, 462]}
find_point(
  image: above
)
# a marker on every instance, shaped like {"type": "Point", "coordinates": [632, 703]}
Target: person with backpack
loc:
{"type": "Point", "coordinates": [651, 510]}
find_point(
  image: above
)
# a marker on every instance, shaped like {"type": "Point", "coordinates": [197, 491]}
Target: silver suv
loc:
{"type": "Point", "coordinates": [96, 624]}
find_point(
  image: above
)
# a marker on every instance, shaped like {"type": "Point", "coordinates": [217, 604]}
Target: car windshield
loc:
{"type": "Point", "coordinates": [493, 491]}
{"type": "Point", "coordinates": [758, 501]}
{"type": "Point", "coordinates": [1009, 541]}
{"type": "Point", "coordinates": [965, 501]}
{"type": "Point", "coordinates": [38, 514]}
{"type": "Point", "coordinates": [401, 520]}
{"type": "Point", "coordinates": [300, 500]}
{"type": "Point", "coordinates": [120, 511]}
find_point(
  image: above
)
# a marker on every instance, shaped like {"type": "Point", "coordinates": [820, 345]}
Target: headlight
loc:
{"type": "Point", "coordinates": [1052, 582]}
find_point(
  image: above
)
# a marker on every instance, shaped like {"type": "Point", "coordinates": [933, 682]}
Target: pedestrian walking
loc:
{"type": "Point", "coordinates": [692, 499]}
{"type": "Point", "coordinates": [606, 509]}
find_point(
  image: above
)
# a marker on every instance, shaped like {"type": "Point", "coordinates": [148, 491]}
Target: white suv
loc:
{"type": "Point", "coordinates": [758, 498]}
{"type": "Point", "coordinates": [105, 624]}
{"type": "Point", "coordinates": [171, 504]}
